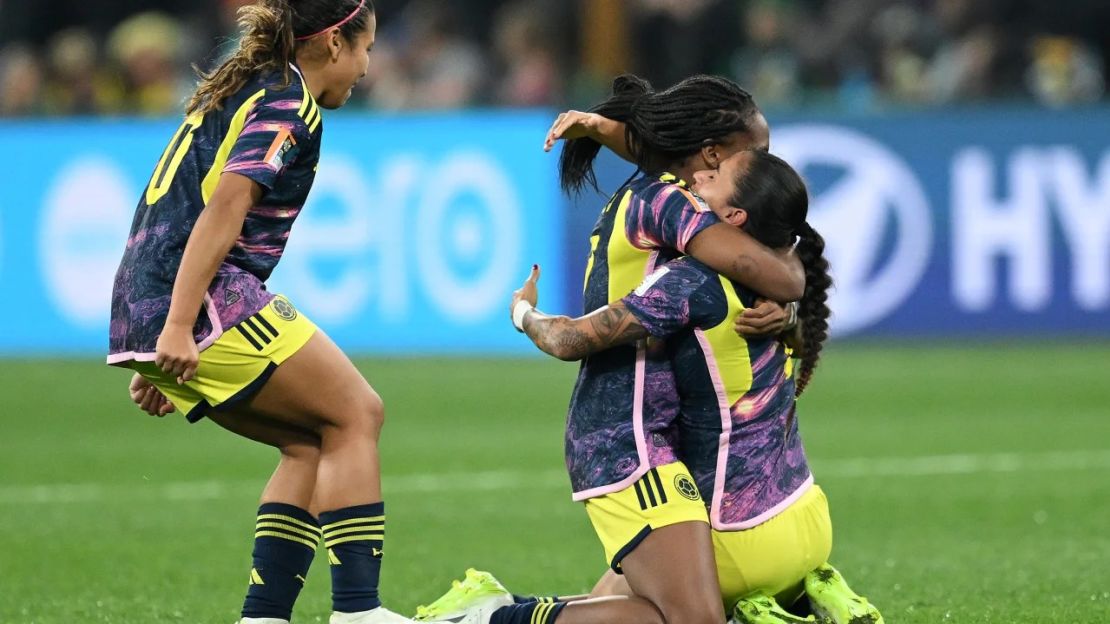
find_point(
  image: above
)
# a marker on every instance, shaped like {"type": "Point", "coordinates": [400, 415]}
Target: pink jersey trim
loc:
{"type": "Point", "coordinates": [217, 331]}
{"type": "Point", "coordinates": [637, 418]}
{"type": "Point", "coordinates": [726, 427]}
{"type": "Point", "coordinates": [770, 513]}
{"type": "Point", "coordinates": [638, 431]}
{"type": "Point", "coordinates": [128, 356]}
{"type": "Point", "coordinates": [214, 319]}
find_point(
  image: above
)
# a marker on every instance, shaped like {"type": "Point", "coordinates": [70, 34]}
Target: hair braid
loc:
{"type": "Point", "coordinates": [663, 127]}
{"type": "Point", "coordinates": [813, 311]}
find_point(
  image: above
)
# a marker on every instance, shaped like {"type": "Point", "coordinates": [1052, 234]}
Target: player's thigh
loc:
{"type": "Point", "coordinates": [611, 584]}
{"type": "Point", "coordinates": [319, 387]}
{"type": "Point", "coordinates": [249, 424]}
{"type": "Point", "coordinates": [657, 532]}
{"type": "Point", "coordinates": [673, 567]}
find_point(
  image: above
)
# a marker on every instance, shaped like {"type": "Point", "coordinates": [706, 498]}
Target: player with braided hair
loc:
{"type": "Point", "coordinates": [740, 443]}
{"type": "Point", "coordinates": [771, 529]}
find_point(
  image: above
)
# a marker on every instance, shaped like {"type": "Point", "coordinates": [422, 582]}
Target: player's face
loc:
{"type": "Point", "coordinates": [757, 137]}
{"type": "Point", "coordinates": [718, 186]}
{"type": "Point", "coordinates": [350, 60]}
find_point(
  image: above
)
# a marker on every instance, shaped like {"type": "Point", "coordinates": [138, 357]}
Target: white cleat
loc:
{"type": "Point", "coordinates": [262, 621]}
{"type": "Point", "coordinates": [381, 615]}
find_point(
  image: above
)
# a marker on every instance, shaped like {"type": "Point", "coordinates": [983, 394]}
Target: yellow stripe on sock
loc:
{"type": "Point", "coordinates": [370, 527]}
{"type": "Point", "coordinates": [334, 525]}
{"type": "Point", "coordinates": [300, 523]}
{"type": "Point", "coordinates": [369, 537]}
{"type": "Point", "coordinates": [539, 616]}
{"type": "Point", "coordinates": [280, 525]}
{"type": "Point", "coordinates": [286, 536]}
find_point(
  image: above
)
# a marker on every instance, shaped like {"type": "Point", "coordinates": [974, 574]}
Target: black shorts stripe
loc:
{"type": "Point", "coordinates": [659, 486]}
{"type": "Point", "coordinates": [650, 493]}
{"type": "Point", "coordinates": [257, 330]}
{"type": "Point", "coordinates": [640, 495]}
{"type": "Point", "coordinates": [251, 339]}
{"type": "Point", "coordinates": [263, 322]}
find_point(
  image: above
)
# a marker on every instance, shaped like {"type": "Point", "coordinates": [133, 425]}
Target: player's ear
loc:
{"type": "Point", "coordinates": [711, 154]}
{"type": "Point", "coordinates": [335, 44]}
{"type": "Point", "coordinates": [735, 216]}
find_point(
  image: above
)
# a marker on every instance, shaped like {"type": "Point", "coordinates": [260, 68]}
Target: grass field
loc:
{"type": "Point", "coordinates": [967, 484]}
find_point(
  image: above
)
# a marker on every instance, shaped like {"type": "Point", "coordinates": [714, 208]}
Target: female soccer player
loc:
{"type": "Point", "coordinates": [740, 441]}
{"type": "Point", "coordinates": [739, 435]}
{"type": "Point", "coordinates": [616, 438]}
{"type": "Point", "coordinates": [192, 316]}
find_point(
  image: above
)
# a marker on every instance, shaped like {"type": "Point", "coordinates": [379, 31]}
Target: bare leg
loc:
{"type": "Point", "coordinates": [611, 584]}
{"type": "Point", "coordinates": [319, 390]}
{"type": "Point", "coordinates": [674, 568]}
{"type": "Point", "coordinates": [611, 610]}
{"type": "Point", "coordinates": [294, 480]}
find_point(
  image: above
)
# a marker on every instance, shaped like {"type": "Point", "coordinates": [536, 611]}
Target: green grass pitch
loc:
{"type": "Point", "coordinates": [967, 484]}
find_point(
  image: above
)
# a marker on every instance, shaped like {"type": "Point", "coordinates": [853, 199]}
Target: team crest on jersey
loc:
{"type": "Point", "coordinates": [283, 309]}
{"type": "Point", "coordinates": [686, 487]}
{"type": "Point", "coordinates": [279, 149]}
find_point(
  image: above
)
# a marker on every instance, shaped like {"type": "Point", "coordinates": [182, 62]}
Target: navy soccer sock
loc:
{"type": "Point", "coordinates": [285, 539]}
{"type": "Point", "coordinates": [353, 537]}
{"type": "Point", "coordinates": [528, 613]}
{"type": "Point", "coordinates": [527, 599]}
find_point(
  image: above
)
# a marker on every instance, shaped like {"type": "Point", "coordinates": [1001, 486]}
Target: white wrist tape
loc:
{"type": "Point", "coordinates": [519, 310]}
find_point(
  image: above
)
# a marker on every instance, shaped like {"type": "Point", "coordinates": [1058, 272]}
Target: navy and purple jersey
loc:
{"type": "Point", "coordinates": [269, 132]}
{"type": "Point", "coordinates": [737, 431]}
{"type": "Point", "coordinates": [625, 401]}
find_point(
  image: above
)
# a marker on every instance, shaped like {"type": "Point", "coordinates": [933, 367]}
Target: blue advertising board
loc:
{"type": "Point", "coordinates": [991, 222]}
{"type": "Point", "coordinates": [417, 230]}
{"type": "Point", "coordinates": [986, 222]}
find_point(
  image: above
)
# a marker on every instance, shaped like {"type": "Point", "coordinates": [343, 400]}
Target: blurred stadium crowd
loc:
{"type": "Point", "coordinates": [66, 57]}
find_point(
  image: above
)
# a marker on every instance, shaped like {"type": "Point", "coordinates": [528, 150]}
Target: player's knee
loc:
{"type": "Point", "coordinates": [369, 414]}
{"type": "Point", "coordinates": [303, 450]}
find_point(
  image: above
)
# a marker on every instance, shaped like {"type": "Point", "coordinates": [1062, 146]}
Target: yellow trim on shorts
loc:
{"type": "Point", "coordinates": [664, 496]}
{"type": "Point", "coordinates": [239, 362]}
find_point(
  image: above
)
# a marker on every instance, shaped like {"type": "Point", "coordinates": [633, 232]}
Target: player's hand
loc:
{"type": "Point", "coordinates": [149, 398]}
{"type": "Point", "coordinates": [528, 292]}
{"type": "Point", "coordinates": [573, 125]}
{"type": "Point", "coordinates": [176, 353]}
{"type": "Point", "coordinates": [767, 318]}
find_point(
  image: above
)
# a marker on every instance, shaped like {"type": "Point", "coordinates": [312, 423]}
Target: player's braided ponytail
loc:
{"type": "Point", "coordinates": [662, 128]}
{"type": "Point", "coordinates": [270, 32]}
{"type": "Point", "coordinates": [576, 162]}
{"type": "Point", "coordinates": [777, 203]}
{"type": "Point", "coordinates": [813, 311]}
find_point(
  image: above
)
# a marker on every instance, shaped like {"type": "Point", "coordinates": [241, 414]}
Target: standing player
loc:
{"type": "Point", "coordinates": [191, 314]}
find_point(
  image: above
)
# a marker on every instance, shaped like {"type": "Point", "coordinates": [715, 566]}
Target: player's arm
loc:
{"type": "Point", "coordinates": [568, 338]}
{"type": "Point", "coordinates": [728, 250]}
{"type": "Point", "coordinates": [577, 125]}
{"type": "Point", "coordinates": [215, 231]}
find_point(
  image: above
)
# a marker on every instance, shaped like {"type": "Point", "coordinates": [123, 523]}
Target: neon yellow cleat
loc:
{"type": "Point", "coordinates": [478, 591]}
{"type": "Point", "coordinates": [762, 609]}
{"type": "Point", "coordinates": [831, 598]}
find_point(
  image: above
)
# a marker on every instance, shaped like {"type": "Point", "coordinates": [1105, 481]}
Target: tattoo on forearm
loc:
{"type": "Point", "coordinates": [573, 339]}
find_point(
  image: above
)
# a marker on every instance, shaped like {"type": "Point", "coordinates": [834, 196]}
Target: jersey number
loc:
{"type": "Point", "coordinates": [171, 159]}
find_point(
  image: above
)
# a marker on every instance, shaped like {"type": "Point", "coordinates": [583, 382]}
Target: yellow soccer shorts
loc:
{"type": "Point", "coordinates": [238, 363]}
{"type": "Point", "coordinates": [774, 557]}
{"type": "Point", "coordinates": [664, 496]}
